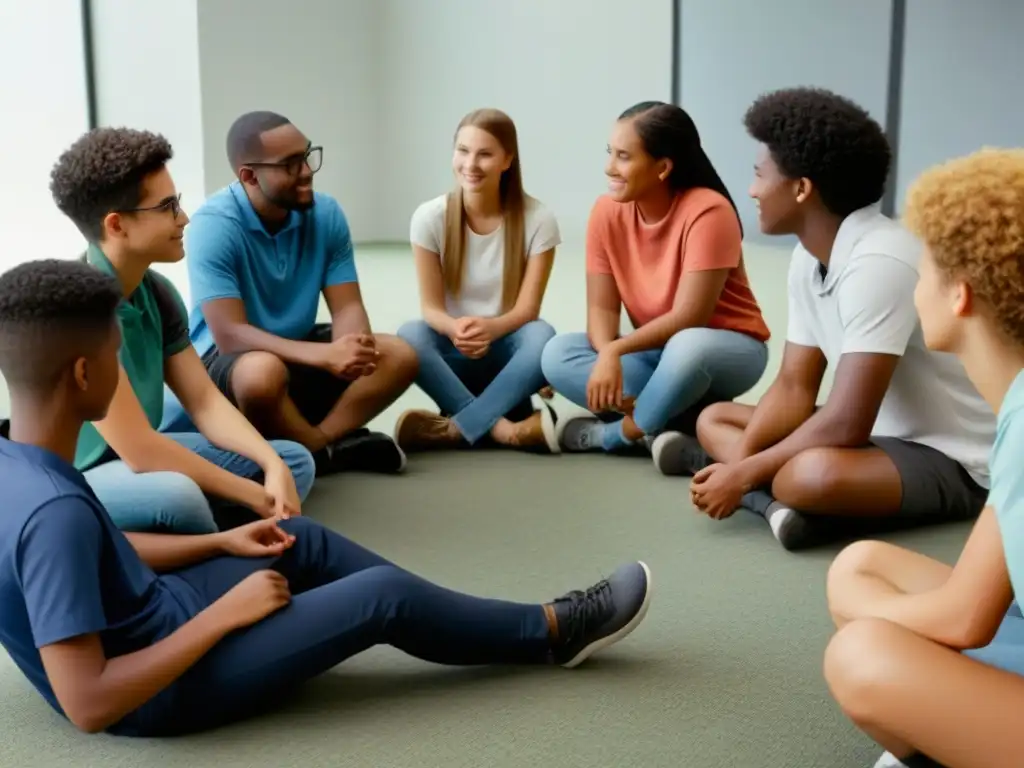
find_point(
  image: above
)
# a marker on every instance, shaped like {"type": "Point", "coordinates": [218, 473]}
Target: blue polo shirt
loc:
{"type": "Point", "coordinates": [278, 277]}
{"type": "Point", "coordinates": [66, 571]}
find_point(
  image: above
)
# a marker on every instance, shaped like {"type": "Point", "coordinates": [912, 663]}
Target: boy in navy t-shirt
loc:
{"type": "Point", "coordinates": [148, 634]}
{"type": "Point", "coordinates": [929, 658]}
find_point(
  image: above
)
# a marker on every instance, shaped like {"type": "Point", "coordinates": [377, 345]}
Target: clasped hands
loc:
{"type": "Point", "coordinates": [351, 356]}
{"type": "Point", "coordinates": [718, 489]}
{"type": "Point", "coordinates": [472, 336]}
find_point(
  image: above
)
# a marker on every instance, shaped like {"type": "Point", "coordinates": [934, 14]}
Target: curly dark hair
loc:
{"type": "Point", "coordinates": [52, 311]}
{"type": "Point", "coordinates": [103, 172]}
{"type": "Point", "coordinates": [816, 134]}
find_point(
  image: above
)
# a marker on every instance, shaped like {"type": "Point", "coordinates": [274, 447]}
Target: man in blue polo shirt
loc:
{"type": "Point", "coordinates": [260, 253]}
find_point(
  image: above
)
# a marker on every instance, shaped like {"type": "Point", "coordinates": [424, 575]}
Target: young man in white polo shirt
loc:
{"type": "Point", "coordinates": [903, 438]}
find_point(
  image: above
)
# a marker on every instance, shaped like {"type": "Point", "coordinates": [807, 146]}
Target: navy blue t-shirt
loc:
{"type": "Point", "coordinates": [66, 570]}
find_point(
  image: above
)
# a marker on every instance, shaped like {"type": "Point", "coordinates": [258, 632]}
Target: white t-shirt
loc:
{"type": "Point", "coordinates": [865, 303]}
{"type": "Point", "coordinates": [480, 294]}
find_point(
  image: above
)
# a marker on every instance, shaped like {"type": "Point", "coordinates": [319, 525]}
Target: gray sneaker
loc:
{"type": "Point", "coordinates": [674, 453]}
{"type": "Point", "coordinates": [605, 613]}
{"type": "Point", "coordinates": [580, 434]}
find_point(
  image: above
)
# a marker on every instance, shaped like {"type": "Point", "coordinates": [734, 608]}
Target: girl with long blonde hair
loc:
{"type": "Point", "coordinates": [483, 253]}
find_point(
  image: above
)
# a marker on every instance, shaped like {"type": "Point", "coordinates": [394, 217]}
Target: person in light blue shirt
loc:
{"type": "Point", "coordinates": [260, 254]}
{"type": "Point", "coordinates": [929, 658]}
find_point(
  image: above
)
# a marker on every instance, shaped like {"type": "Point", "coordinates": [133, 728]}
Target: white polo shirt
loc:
{"type": "Point", "coordinates": [865, 303]}
{"type": "Point", "coordinates": [484, 261]}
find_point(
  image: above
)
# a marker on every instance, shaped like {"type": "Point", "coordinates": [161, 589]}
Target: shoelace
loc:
{"type": "Point", "coordinates": [587, 609]}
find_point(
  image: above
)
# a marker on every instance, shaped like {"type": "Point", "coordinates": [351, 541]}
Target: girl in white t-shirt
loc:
{"type": "Point", "coordinates": [483, 254]}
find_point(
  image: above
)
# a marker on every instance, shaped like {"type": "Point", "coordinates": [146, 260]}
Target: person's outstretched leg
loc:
{"type": "Point", "coordinates": [349, 599]}
{"type": "Point", "coordinates": [695, 364]}
{"type": "Point", "coordinates": [513, 372]}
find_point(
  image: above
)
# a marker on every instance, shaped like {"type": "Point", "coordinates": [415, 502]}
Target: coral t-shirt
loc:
{"type": "Point", "coordinates": [648, 261]}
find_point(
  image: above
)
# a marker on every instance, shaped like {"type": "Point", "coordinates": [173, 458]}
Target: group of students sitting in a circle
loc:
{"type": "Point", "coordinates": [156, 576]}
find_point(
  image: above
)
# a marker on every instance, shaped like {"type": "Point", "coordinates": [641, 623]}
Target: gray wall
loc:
{"type": "Point", "coordinates": [382, 85]}
{"type": "Point", "coordinates": [960, 86]}
{"type": "Point", "coordinates": [963, 82]}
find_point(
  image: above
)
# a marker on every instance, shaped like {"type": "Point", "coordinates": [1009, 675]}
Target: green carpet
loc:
{"type": "Point", "coordinates": [725, 671]}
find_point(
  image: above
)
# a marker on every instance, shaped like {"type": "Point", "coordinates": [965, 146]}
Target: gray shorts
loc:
{"type": "Point", "coordinates": [934, 485]}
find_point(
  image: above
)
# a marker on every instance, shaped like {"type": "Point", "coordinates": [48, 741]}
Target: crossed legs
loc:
{"type": "Point", "coordinates": [912, 695]}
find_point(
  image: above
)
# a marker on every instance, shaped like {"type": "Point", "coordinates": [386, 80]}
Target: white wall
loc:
{"type": "Point", "coordinates": [147, 77]}
{"type": "Point", "coordinates": [43, 101]}
{"type": "Point", "coordinates": [318, 63]}
{"type": "Point", "coordinates": [562, 70]}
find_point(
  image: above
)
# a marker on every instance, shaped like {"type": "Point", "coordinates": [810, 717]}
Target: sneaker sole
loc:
{"type": "Point", "coordinates": [663, 465]}
{"type": "Point", "coordinates": [602, 643]}
{"type": "Point", "coordinates": [549, 424]}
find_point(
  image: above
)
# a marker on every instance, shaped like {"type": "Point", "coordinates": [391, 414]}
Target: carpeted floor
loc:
{"type": "Point", "coordinates": [725, 671]}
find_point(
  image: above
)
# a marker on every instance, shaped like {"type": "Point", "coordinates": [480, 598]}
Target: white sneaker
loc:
{"type": "Point", "coordinates": [888, 761]}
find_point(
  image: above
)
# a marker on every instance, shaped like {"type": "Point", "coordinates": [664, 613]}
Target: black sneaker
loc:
{"type": "Point", "coordinates": [366, 451]}
{"type": "Point", "coordinates": [602, 615]}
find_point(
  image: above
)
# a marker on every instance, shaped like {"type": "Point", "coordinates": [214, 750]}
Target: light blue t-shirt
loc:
{"type": "Point", "coordinates": [278, 277]}
{"type": "Point", "coordinates": [1007, 492]}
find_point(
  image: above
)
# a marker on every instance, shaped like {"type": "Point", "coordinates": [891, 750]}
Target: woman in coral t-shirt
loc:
{"type": "Point", "coordinates": [665, 243]}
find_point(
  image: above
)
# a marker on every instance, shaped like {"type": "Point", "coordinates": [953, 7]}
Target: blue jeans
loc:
{"type": "Point", "coordinates": [171, 502]}
{"type": "Point", "coordinates": [478, 393]}
{"type": "Point", "coordinates": [346, 600]}
{"type": "Point", "coordinates": [697, 366]}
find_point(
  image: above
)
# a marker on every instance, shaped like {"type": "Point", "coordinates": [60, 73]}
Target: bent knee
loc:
{"type": "Point", "coordinates": [858, 557]}
{"type": "Point", "coordinates": [562, 350]}
{"type": "Point", "coordinates": [536, 333]}
{"type": "Point", "coordinates": [710, 418]}
{"type": "Point", "coordinates": [177, 503]}
{"type": "Point", "coordinates": [258, 378]}
{"type": "Point", "coordinates": [808, 478]}
{"type": "Point", "coordinates": [300, 463]}
{"type": "Point", "coordinates": [859, 665]}
{"type": "Point", "coordinates": [417, 333]}
{"type": "Point", "coordinates": [397, 354]}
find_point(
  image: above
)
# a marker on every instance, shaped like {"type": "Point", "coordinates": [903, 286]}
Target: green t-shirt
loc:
{"type": "Point", "coordinates": [154, 327]}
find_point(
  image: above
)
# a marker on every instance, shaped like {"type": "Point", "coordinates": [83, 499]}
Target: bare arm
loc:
{"type": "Point", "coordinates": [167, 552]}
{"type": "Point", "coordinates": [127, 430]}
{"type": "Point", "coordinates": [965, 611]}
{"type": "Point", "coordinates": [789, 401]}
{"type": "Point", "coordinates": [217, 419]}
{"type": "Point", "coordinates": [845, 420]}
{"type": "Point", "coordinates": [348, 313]}
{"type": "Point", "coordinates": [96, 692]}
{"type": "Point", "coordinates": [694, 303]}
{"type": "Point", "coordinates": [233, 334]}
{"type": "Point", "coordinates": [432, 293]}
{"type": "Point", "coordinates": [531, 295]}
{"type": "Point", "coordinates": [604, 310]}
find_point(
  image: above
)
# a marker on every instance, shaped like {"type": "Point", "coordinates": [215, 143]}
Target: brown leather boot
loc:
{"type": "Point", "coordinates": [426, 431]}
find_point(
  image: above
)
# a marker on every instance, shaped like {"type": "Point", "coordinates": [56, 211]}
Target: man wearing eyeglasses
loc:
{"type": "Point", "coordinates": [260, 254]}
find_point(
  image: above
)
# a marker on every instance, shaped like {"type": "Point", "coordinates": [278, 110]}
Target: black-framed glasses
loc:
{"type": "Point", "coordinates": [313, 157]}
{"type": "Point", "coordinates": [172, 204]}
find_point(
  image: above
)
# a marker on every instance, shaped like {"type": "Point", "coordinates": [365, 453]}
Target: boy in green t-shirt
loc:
{"type": "Point", "coordinates": [114, 185]}
{"type": "Point", "coordinates": [929, 658]}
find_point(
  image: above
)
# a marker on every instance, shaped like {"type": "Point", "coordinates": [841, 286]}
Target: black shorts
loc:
{"type": "Point", "coordinates": [934, 485]}
{"type": "Point", "coordinates": [313, 390]}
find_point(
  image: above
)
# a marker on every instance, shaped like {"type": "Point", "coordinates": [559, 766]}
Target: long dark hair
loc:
{"type": "Point", "coordinates": [667, 131]}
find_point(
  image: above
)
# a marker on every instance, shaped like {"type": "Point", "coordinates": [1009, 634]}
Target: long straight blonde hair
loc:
{"type": "Point", "coordinates": [513, 209]}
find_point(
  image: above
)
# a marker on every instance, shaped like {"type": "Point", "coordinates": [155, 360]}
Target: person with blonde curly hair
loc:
{"type": "Point", "coordinates": [903, 438]}
{"type": "Point", "coordinates": [929, 658]}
